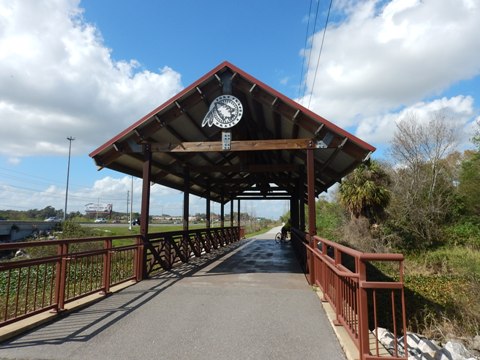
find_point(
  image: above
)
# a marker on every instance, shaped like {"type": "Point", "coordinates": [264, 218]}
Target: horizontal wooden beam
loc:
{"type": "Point", "coordinates": [237, 145]}
{"type": "Point", "coordinates": [261, 197]}
{"type": "Point", "coordinates": [255, 168]}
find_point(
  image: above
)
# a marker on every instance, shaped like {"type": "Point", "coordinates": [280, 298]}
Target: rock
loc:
{"type": "Point", "coordinates": [457, 350]}
{"type": "Point", "coordinates": [421, 348]}
{"type": "Point", "coordinates": [412, 340]}
{"type": "Point", "coordinates": [443, 354]}
{"type": "Point", "coordinates": [427, 346]}
{"type": "Point", "coordinates": [475, 343]}
{"type": "Point", "coordinates": [385, 337]}
{"type": "Point", "coordinates": [412, 343]}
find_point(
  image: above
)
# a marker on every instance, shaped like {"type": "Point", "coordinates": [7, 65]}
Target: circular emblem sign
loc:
{"type": "Point", "coordinates": [224, 112]}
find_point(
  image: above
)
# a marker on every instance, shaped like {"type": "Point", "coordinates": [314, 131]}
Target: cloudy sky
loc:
{"type": "Point", "coordinates": [88, 69]}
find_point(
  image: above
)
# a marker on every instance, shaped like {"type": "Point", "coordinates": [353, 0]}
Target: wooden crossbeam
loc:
{"type": "Point", "coordinates": [237, 145]}
{"type": "Point", "coordinates": [253, 168]}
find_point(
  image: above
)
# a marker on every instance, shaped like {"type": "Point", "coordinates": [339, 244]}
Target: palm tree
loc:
{"type": "Point", "coordinates": [365, 192]}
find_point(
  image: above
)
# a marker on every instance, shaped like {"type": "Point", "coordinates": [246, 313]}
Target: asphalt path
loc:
{"type": "Point", "coordinates": [249, 301]}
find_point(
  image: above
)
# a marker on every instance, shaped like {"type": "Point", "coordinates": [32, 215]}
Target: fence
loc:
{"type": "Point", "coordinates": [61, 271]}
{"type": "Point", "coordinates": [362, 297]}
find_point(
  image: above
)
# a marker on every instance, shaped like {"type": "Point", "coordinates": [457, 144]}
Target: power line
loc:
{"type": "Point", "coordinates": [38, 179]}
{"type": "Point", "coordinates": [58, 194]}
{"type": "Point", "coordinates": [15, 179]}
{"type": "Point", "coordinates": [305, 47]}
{"type": "Point", "coordinates": [310, 53]}
{"type": "Point", "coordinates": [320, 52]}
{"type": "Point", "coordinates": [27, 176]}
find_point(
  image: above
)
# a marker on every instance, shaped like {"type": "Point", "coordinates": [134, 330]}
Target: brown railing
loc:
{"type": "Point", "coordinates": [67, 270]}
{"type": "Point", "coordinates": [362, 297]}
{"type": "Point", "coordinates": [166, 249]}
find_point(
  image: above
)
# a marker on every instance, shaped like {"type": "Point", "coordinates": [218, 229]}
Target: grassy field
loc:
{"type": "Point", "coordinates": [122, 230]}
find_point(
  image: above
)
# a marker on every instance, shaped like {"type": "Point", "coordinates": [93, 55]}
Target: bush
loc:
{"type": "Point", "coordinates": [72, 229]}
{"type": "Point", "coordinates": [465, 233]}
{"type": "Point", "coordinates": [330, 217]}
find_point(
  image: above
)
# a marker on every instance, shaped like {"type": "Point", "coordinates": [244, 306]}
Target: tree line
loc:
{"type": "Point", "coordinates": [427, 195]}
{"type": "Point", "coordinates": [424, 201]}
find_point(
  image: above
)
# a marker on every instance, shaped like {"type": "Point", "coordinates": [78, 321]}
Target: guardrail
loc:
{"type": "Point", "coordinates": [67, 270]}
{"type": "Point", "coordinates": [362, 299]}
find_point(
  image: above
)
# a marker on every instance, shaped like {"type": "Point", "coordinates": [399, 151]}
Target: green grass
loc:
{"type": "Point", "coordinates": [456, 260]}
{"type": "Point", "coordinates": [122, 230]}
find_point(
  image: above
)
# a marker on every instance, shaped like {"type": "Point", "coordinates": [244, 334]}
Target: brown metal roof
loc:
{"type": "Point", "coordinates": [268, 144]}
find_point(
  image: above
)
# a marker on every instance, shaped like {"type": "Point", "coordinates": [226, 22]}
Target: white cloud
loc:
{"type": "Point", "coordinates": [380, 129]}
{"type": "Point", "coordinates": [388, 56]}
{"type": "Point", "coordinates": [57, 78]}
{"type": "Point", "coordinates": [106, 190]}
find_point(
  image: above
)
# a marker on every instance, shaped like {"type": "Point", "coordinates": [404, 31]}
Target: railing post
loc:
{"type": "Point", "coordinates": [363, 337]}
{"type": "Point", "coordinates": [140, 264]}
{"type": "Point", "coordinates": [323, 276]}
{"type": "Point", "coordinates": [186, 245]}
{"type": "Point", "coordinates": [338, 293]}
{"type": "Point", "coordinates": [169, 257]}
{"type": "Point", "coordinates": [60, 276]}
{"type": "Point", "coordinates": [107, 263]}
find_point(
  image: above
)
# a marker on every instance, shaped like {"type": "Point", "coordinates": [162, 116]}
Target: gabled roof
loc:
{"type": "Point", "coordinates": [179, 143]}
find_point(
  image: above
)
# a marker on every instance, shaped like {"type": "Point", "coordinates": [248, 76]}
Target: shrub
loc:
{"type": "Point", "coordinates": [466, 233]}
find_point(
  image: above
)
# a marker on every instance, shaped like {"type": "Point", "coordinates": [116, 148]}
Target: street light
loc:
{"type": "Point", "coordinates": [70, 139]}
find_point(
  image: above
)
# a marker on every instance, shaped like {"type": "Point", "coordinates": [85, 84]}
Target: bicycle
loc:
{"type": "Point", "coordinates": [280, 238]}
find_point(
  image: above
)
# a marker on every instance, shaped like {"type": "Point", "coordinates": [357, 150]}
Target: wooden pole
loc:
{"type": "Point", "coordinates": [311, 210]}
{"type": "Point", "coordinates": [222, 213]}
{"type": "Point", "coordinates": [145, 212]}
{"type": "Point", "coordinates": [208, 211]}
{"type": "Point", "coordinates": [186, 208]}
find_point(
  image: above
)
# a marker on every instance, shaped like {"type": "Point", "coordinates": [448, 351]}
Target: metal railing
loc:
{"type": "Point", "coordinates": [361, 296]}
{"type": "Point", "coordinates": [58, 272]}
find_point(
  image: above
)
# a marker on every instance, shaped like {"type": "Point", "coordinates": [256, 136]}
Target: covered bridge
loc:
{"type": "Point", "coordinates": [228, 137]}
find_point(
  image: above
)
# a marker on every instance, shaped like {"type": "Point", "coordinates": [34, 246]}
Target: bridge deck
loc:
{"type": "Point", "coordinates": [252, 302]}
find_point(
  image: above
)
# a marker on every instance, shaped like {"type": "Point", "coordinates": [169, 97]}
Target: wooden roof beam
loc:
{"type": "Point", "coordinates": [254, 168]}
{"type": "Point", "coordinates": [237, 145]}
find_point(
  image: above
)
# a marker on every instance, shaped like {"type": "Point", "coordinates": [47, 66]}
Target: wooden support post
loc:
{"type": "Point", "coordinates": [231, 213]}
{"type": "Point", "coordinates": [302, 212]}
{"type": "Point", "coordinates": [294, 211]}
{"type": "Point", "coordinates": [222, 213]}
{"type": "Point", "coordinates": [238, 218]}
{"type": "Point", "coordinates": [186, 207]}
{"type": "Point", "coordinates": [311, 210]}
{"type": "Point", "coordinates": [207, 210]}
{"type": "Point", "coordinates": [145, 211]}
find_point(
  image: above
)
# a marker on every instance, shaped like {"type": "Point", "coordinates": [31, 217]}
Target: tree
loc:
{"type": "Point", "coordinates": [365, 192]}
{"type": "Point", "coordinates": [469, 185]}
{"type": "Point", "coordinates": [423, 192]}
{"type": "Point", "coordinates": [330, 218]}
{"type": "Point", "coordinates": [476, 137]}
{"type": "Point", "coordinates": [469, 178]}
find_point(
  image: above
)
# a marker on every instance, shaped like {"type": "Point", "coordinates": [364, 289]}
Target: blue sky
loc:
{"type": "Point", "coordinates": [89, 69]}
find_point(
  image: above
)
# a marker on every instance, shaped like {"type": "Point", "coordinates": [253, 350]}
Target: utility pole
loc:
{"type": "Point", "coordinates": [70, 139]}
